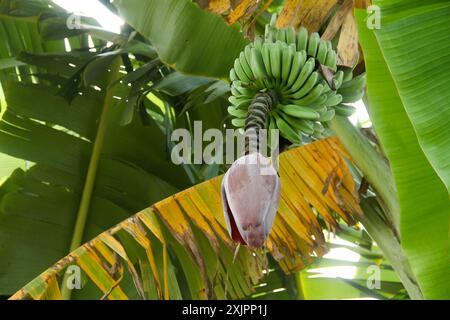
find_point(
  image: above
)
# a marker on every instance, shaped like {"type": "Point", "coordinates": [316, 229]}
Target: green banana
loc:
{"type": "Point", "coordinates": [313, 44]}
{"type": "Point", "coordinates": [354, 89]}
{"type": "Point", "coordinates": [287, 56]}
{"type": "Point", "coordinates": [244, 91]}
{"type": "Point", "coordinates": [273, 20]}
{"type": "Point", "coordinates": [312, 97]}
{"type": "Point", "coordinates": [327, 115]}
{"type": "Point", "coordinates": [298, 62]}
{"type": "Point", "coordinates": [319, 102]}
{"type": "Point", "coordinates": [351, 96]}
{"type": "Point", "coordinates": [319, 108]}
{"type": "Point", "coordinates": [265, 52]}
{"type": "Point", "coordinates": [238, 113]}
{"type": "Point", "coordinates": [331, 59]}
{"type": "Point", "coordinates": [286, 130]}
{"type": "Point", "coordinates": [302, 39]}
{"type": "Point", "coordinates": [281, 35]}
{"type": "Point", "coordinates": [240, 72]}
{"type": "Point", "coordinates": [269, 35]}
{"type": "Point", "coordinates": [308, 126]}
{"type": "Point", "coordinates": [318, 127]}
{"type": "Point", "coordinates": [299, 112]}
{"type": "Point", "coordinates": [304, 126]}
{"type": "Point", "coordinates": [248, 54]}
{"type": "Point", "coordinates": [246, 66]}
{"type": "Point", "coordinates": [290, 35]}
{"type": "Point", "coordinates": [240, 103]}
{"type": "Point", "coordinates": [235, 93]}
{"type": "Point", "coordinates": [338, 78]}
{"type": "Point", "coordinates": [238, 122]}
{"type": "Point", "coordinates": [326, 86]}
{"type": "Point", "coordinates": [304, 74]}
{"type": "Point", "coordinates": [357, 83]}
{"type": "Point", "coordinates": [233, 76]}
{"type": "Point", "coordinates": [257, 44]}
{"type": "Point", "coordinates": [348, 74]}
{"type": "Point", "coordinates": [322, 52]}
{"type": "Point", "coordinates": [333, 99]}
{"type": "Point", "coordinates": [307, 86]}
{"type": "Point", "coordinates": [258, 64]}
{"type": "Point", "coordinates": [344, 110]}
{"type": "Point", "coordinates": [275, 60]}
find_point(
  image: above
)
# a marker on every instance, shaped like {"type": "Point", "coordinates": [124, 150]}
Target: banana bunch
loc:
{"type": "Point", "coordinates": [314, 47]}
{"type": "Point", "coordinates": [286, 63]}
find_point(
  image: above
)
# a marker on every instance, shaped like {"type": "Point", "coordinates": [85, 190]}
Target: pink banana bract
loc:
{"type": "Point", "coordinates": [250, 199]}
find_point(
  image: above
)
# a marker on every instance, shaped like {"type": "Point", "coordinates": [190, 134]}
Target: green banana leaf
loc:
{"type": "Point", "coordinates": [396, 88]}
{"type": "Point", "coordinates": [38, 207]}
{"type": "Point", "coordinates": [9, 164]}
{"type": "Point", "coordinates": [415, 45]}
{"type": "Point", "coordinates": [186, 37]}
{"type": "Point", "coordinates": [38, 213]}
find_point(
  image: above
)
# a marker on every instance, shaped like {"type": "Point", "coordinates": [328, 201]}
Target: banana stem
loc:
{"type": "Point", "coordinates": [257, 119]}
{"type": "Point", "coordinates": [89, 183]}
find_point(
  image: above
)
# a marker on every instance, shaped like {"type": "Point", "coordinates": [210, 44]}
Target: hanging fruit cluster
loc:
{"type": "Point", "coordinates": [287, 64]}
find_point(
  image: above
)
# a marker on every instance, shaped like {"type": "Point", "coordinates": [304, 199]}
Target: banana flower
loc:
{"type": "Point", "coordinates": [250, 199]}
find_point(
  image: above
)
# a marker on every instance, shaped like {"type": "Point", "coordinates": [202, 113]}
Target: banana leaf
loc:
{"type": "Point", "coordinates": [180, 247]}
{"type": "Point", "coordinates": [187, 38]}
{"type": "Point", "coordinates": [38, 214]}
{"type": "Point", "coordinates": [408, 108]}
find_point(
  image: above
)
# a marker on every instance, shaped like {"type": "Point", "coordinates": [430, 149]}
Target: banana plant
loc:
{"type": "Point", "coordinates": [152, 256]}
{"type": "Point", "coordinates": [93, 158]}
{"type": "Point", "coordinates": [369, 161]}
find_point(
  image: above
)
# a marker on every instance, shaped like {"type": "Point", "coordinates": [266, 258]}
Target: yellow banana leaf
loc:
{"type": "Point", "coordinates": [312, 14]}
{"type": "Point", "coordinates": [185, 236]}
{"type": "Point", "coordinates": [236, 10]}
{"type": "Point", "coordinates": [307, 13]}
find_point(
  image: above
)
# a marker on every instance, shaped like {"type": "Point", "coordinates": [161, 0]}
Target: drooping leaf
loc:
{"type": "Point", "coordinates": [191, 225]}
